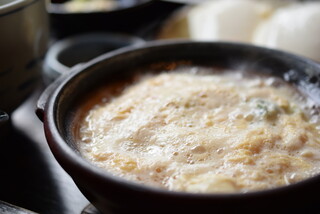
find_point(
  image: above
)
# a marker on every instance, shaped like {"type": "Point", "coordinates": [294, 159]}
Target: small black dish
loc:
{"type": "Point", "coordinates": [66, 53]}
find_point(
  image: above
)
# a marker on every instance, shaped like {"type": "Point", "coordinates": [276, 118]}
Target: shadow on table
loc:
{"type": "Point", "coordinates": [26, 180]}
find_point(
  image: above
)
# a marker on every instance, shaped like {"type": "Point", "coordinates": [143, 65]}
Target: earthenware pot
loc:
{"type": "Point", "coordinates": [112, 194]}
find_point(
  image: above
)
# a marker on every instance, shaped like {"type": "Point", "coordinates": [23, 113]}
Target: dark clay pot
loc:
{"type": "Point", "coordinates": [108, 193]}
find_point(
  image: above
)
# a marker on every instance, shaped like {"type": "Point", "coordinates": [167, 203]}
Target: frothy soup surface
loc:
{"type": "Point", "coordinates": [205, 132]}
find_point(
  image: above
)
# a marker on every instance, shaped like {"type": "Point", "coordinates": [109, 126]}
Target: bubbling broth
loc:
{"type": "Point", "coordinates": [203, 131]}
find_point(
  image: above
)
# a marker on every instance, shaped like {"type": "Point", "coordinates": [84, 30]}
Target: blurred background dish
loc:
{"type": "Point", "coordinates": [68, 52]}
{"type": "Point", "coordinates": [3, 117]}
{"type": "Point", "coordinates": [126, 16]}
{"type": "Point", "coordinates": [88, 6]}
{"type": "Point", "coordinates": [294, 28]}
{"type": "Point", "coordinates": [288, 25]}
{"type": "Point", "coordinates": [23, 44]}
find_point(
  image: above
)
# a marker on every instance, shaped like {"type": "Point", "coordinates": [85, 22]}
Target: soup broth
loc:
{"type": "Point", "coordinates": [203, 131]}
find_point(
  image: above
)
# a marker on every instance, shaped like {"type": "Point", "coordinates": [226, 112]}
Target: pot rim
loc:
{"type": "Point", "coordinates": [70, 160]}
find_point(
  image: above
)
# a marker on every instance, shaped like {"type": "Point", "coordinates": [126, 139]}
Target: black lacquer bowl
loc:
{"type": "Point", "coordinates": [57, 105]}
